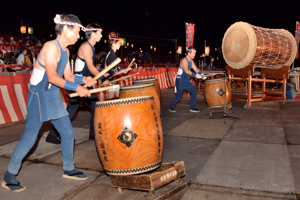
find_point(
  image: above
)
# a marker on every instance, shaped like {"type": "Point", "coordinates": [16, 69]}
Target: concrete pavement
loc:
{"type": "Point", "coordinates": [256, 157]}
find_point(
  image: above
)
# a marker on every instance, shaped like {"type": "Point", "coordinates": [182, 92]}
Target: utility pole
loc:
{"type": "Point", "coordinates": [204, 54]}
{"type": "Point", "coordinates": [22, 25]}
{"type": "Point", "coordinates": [176, 53]}
{"type": "Point", "coordinates": [118, 35]}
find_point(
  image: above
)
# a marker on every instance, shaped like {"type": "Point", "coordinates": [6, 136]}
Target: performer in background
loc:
{"type": "Point", "coordinates": [44, 102]}
{"type": "Point", "coordinates": [182, 80]}
{"type": "Point", "coordinates": [84, 66]}
{"type": "Point", "coordinates": [114, 44]}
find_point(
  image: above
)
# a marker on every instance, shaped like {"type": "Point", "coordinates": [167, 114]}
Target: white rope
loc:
{"type": "Point", "coordinates": [57, 20]}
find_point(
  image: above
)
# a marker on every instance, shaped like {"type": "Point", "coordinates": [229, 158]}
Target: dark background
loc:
{"type": "Point", "coordinates": [156, 23]}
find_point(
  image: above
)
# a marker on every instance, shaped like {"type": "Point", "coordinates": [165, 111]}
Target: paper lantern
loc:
{"type": "Point", "coordinates": [23, 29]}
{"type": "Point", "coordinates": [207, 49]}
{"type": "Point", "coordinates": [179, 50]}
{"type": "Point", "coordinates": [30, 30]}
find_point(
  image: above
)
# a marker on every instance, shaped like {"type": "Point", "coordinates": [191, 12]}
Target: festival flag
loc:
{"type": "Point", "coordinates": [189, 32]}
{"type": "Point", "coordinates": [297, 37]}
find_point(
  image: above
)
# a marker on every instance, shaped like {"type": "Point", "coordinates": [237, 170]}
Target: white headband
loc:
{"type": "Point", "coordinates": [57, 20]}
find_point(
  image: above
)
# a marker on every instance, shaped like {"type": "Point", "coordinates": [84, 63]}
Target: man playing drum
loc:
{"type": "Point", "coordinates": [84, 66]}
{"type": "Point", "coordinates": [182, 80]}
{"type": "Point", "coordinates": [44, 102]}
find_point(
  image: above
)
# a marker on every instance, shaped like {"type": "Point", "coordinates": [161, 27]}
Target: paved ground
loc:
{"type": "Point", "coordinates": [256, 157]}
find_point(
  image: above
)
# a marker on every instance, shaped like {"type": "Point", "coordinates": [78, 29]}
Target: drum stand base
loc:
{"type": "Point", "coordinates": [212, 109]}
{"type": "Point", "coordinates": [226, 112]}
{"type": "Point", "coordinates": [161, 183]}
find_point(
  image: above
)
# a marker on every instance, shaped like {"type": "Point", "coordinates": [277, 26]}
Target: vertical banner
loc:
{"type": "Point", "coordinates": [189, 33]}
{"type": "Point", "coordinates": [297, 37]}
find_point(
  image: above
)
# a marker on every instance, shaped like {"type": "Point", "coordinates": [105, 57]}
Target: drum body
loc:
{"type": "Point", "coordinates": [128, 135]}
{"type": "Point", "coordinates": [140, 90]}
{"type": "Point", "coordinates": [244, 44]}
{"type": "Point", "coordinates": [214, 92]}
{"type": "Point", "coordinates": [149, 80]}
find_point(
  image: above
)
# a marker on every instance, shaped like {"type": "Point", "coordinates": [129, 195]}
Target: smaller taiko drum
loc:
{"type": "Point", "coordinates": [140, 90]}
{"type": "Point", "coordinates": [128, 135]}
{"type": "Point", "coordinates": [147, 81]}
{"type": "Point", "coordinates": [215, 92]}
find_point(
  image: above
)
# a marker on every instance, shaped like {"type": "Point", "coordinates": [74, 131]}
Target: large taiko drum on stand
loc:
{"type": "Point", "coordinates": [140, 90]}
{"type": "Point", "coordinates": [214, 92]}
{"type": "Point", "coordinates": [149, 80]}
{"type": "Point", "coordinates": [128, 135]}
{"type": "Point", "coordinates": [244, 44]}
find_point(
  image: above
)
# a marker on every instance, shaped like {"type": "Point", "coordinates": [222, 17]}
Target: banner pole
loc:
{"type": "Point", "coordinates": [204, 53]}
{"type": "Point", "coordinates": [297, 44]}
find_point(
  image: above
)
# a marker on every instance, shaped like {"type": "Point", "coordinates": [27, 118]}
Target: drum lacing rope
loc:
{"type": "Point", "coordinates": [263, 41]}
{"type": "Point", "coordinates": [279, 49]}
{"type": "Point", "coordinates": [286, 52]}
{"type": "Point", "coordinates": [270, 44]}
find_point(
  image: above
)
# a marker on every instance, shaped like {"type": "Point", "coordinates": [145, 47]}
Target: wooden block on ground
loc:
{"type": "Point", "coordinates": [150, 181]}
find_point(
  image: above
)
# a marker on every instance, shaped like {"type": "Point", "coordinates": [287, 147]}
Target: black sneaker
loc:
{"type": "Point", "coordinates": [172, 110]}
{"type": "Point", "coordinates": [52, 139]}
{"type": "Point", "coordinates": [195, 110]}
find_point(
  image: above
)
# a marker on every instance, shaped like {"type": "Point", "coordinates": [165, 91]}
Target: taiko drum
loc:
{"type": "Point", "coordinates": [149, 80]}
{"type": "Point", "coordinates": [128, 135]}
{"type": "Point", "coordinates": [140, 90]}
{"type": "Point", "coordinates": [244, 44]}
{"type": "Point", "coordinates": [214, 92]}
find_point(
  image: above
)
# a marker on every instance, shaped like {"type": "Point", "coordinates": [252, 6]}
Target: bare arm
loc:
{"type": "Point", "coordinates": [194, 67]}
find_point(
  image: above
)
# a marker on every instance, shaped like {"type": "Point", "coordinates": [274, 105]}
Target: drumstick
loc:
{"type": "Point", "coordinates": [133, 59]}
{"type": "Point", "coordinates": [117, 61]}
{"type": "Point", "coordinates": [128, 67]}
{"type": "Point", "coordinates": [96, 90]}
{"type": "Point", "coordinates": [123, 78]}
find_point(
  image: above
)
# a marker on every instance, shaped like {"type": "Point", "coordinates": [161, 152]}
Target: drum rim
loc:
{"type": "Point", "coordinates": [215, 80]}
{"type": "Point", "coordinates": [137, 87]}
{"type": "Point", "coordinates": [137, 170]}
{"type": "Point", "coordinates": [247, 28]}
{"type": "Point", "coordinates": [294, 47]}
{"type": "Point", "coordinates": [124, 101]}
{"type": "Point", "coordinates": [144, 79]}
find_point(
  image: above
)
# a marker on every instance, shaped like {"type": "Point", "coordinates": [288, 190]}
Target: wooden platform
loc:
{"type": "Point", "coordinates": [151, 181]}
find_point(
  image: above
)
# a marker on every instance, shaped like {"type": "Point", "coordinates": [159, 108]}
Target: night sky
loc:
{"type": "Point", "coordinates": [153, 19]}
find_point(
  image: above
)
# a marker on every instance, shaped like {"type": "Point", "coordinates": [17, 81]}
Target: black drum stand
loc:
{"type": "Point", "coordinates": [224, 113]}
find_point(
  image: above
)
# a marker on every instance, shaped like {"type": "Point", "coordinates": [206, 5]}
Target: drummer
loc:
{"type": "Point", "coordinates": [84, 66]}
{"type": "Point", "coordinates": [114, 44]}
{"type": "Point", "coordinates": [51, 71]}
{"type": "Point", "coordinates": [182, 80]}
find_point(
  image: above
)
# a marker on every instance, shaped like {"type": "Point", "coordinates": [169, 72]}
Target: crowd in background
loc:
{"type": "Point", "coordinates": [23, 51]}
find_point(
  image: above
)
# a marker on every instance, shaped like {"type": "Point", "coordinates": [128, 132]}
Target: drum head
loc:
{"type": "Point", "coordinates": [144, 80]}
{"type": "Point", "coordinates": [124, 101]}
{"type": "Point", "coordinates": [136, 87]}
{"type": "Point", "coordinates": [293, 49]}
{"type": "Point", "coordinates": [239, 45]}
